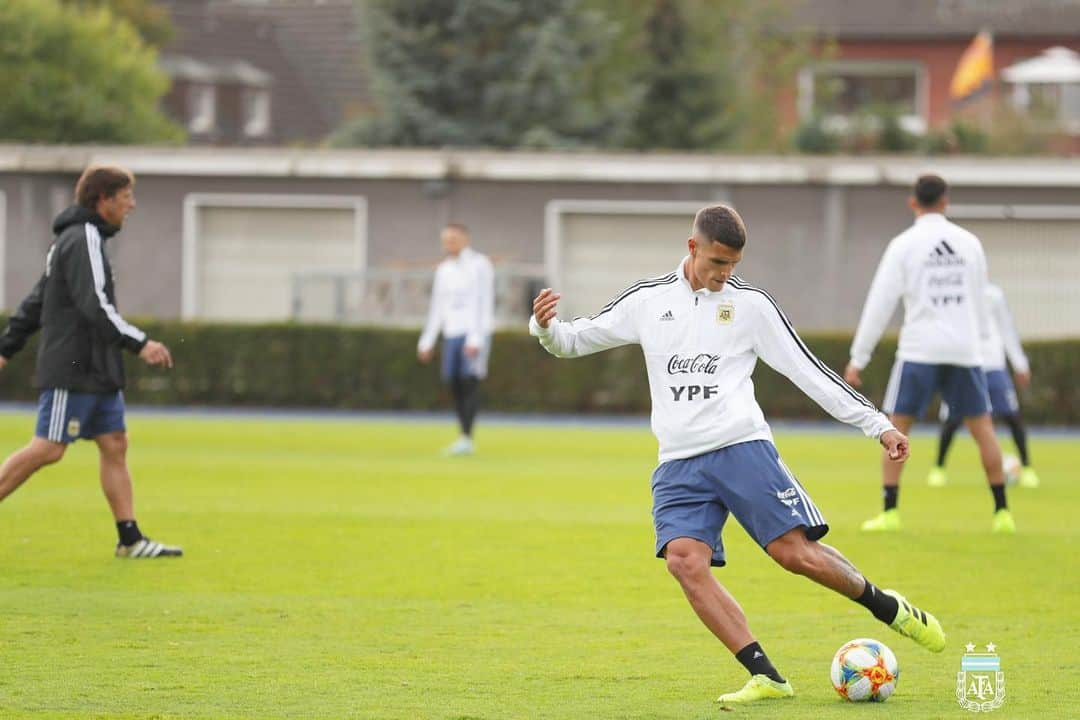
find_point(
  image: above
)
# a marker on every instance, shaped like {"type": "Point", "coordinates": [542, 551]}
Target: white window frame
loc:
{"type": "Point", "coordinates": [917, 123]}
{"type": "Point", "coordinates": [193, 202]}
{"type": "Point", "coordinates": [556, 210]}
{"type": "Point", "coordinates": [258, 98]}
{"type": "Point", "coordinates": [195, 94]}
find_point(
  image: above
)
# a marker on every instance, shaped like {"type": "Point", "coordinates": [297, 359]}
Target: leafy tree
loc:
{"type": "Point", "coordinates": [497, 73]}
{"type": "Point", "coordinates": [149, 18]}
{"type": "Point", "coordinates": [71, 76]}
{"type": "Point", "coordinates": [709, 74]}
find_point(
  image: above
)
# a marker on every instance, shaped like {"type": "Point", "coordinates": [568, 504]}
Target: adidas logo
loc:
{"type": "Point", "coordinates": [943, 254]}
{"type": "Point", "coordinates": [758, 654]}
{"type": "Point", "coordinates": [667, 316]}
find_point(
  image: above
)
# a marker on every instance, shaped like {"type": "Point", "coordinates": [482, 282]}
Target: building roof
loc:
{"type": "Point", "coordinates": [935, 19]}
{"type": "Point", "coordinates": [321, 40]}
{"type": "Point", "coordinates": [306, 50]}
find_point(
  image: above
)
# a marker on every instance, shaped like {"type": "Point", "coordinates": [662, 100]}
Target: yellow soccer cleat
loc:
{"type": "Point", "coordinates": [758, 687]}
{"type": "Point", "coordinates": [1003, 523]}
{"type": "Point", "coordinates": [888, 521]}
{"type": "Point", "coordinates": [1029, 478]}
{"type": "Point", "coordinates": [936, 477]}
{"type": "Point", "coordinates": [920, 626]}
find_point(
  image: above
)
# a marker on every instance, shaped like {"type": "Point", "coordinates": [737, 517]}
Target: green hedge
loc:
{"type": "Point", "coordinates": [318, 366]}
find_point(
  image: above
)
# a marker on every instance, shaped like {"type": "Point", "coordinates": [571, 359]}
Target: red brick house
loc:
{"type": "Point", "coordinates": [903, 54]}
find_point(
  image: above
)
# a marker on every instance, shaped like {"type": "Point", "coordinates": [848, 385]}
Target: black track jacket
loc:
{"type": "Point", "coordinates": [74, 306]}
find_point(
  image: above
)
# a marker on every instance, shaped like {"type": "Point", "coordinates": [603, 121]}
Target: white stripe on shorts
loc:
{"type": "Point", "coordinates": [812, 513]}
{"type": "Point", "coordinates": [892, 390]}
{"type": "Point", "coordinates": [58, 415]}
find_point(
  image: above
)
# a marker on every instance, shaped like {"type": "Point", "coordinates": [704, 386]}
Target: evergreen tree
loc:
{"type": "Point", "coordinates": [496, 73]}
{"type": "Point", "coordinates": [681, 108]}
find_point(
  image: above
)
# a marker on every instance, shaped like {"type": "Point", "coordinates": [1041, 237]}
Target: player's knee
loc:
{"type": "Point", "coordinates": [795, 557]}
{"type": "Point", "coordinates": [113, 446]}
{"type": "Point", "coordinates": [49, 453]}
{"type": "Point", "coordinates": [685, 565]}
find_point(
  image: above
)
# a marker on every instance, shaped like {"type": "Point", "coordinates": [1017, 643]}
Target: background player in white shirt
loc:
{"type": "Point", "coordinates": [1001, 341]}
{"type": "Point", "coordinates": [702, 330]}
{"type": "Point", "coordinates": [939, 270]}
{"type": "Point", "coordinates": [463, 310]}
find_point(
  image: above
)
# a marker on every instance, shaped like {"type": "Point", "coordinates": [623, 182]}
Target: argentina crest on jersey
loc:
{"type": "Point", "coordinates": [725, 313]}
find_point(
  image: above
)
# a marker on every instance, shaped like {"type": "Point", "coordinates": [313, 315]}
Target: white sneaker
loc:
{"type": "Point", "coordinates": [462, 446]}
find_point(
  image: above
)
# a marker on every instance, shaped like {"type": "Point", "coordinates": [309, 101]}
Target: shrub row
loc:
{"type": "Point", "coordinates": [314, 366]}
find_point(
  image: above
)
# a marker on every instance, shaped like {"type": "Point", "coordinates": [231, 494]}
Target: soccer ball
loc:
{"type": "Point", "coordinates": [865, 670]}
{"type": "Point", "coordinates": [1010, 465]}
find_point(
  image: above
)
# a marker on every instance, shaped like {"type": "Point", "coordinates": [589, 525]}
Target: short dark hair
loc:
{"type": "Point", "coordinates": [100, 181]}
{"type": "Point", "coordinates": [929, 189]}
{"type": "Point", "coordinates": [459, 226]}
{"type": "Point", "coordinates": [720, 223]}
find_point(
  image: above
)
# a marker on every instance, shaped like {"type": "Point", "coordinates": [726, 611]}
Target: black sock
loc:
{"type": "Point", "coordinates": [1016, 426]}
{"type": "Point", "coordinates": [129, 532]}
{"type": "Point", "coordinates": [470, 403]}
{"type": "Point", "coordinates": [457, 390]}
{"type": "Point", "coordinates": [948, 430]}
{"type": "Point", "coordinates": [999, 497]}
{"type": "Point", "coordinates": [754, 659]}
{"type": "Point", "coordinates": [890, 496]}
{"type": "Point", "coordinates": [883, 607]}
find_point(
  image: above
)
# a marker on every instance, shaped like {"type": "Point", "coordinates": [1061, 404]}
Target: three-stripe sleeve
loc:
{"type": "Point", "coordinates": [613, 326]}
{"type": "Point", "coordinates": [777, 343]}
{"type": "Point", "coordinates": [84, 271]}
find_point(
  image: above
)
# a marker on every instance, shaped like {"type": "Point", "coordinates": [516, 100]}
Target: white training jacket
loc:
{"type": "Point", "coordinates": [462, 300]}
{"type": "Point", "coordinates": [700, 348]}
{"type": "Point", "coordinates": [939, 270]}
{"type": "Point", "coordinates": [1002, 338]}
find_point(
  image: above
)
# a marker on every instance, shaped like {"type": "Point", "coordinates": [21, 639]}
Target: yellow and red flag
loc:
{"type": "Point", "coordinates": [975, 72]}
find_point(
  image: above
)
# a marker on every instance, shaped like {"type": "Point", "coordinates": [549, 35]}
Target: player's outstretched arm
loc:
{"type": "Point", "coordinates": [611, 327]}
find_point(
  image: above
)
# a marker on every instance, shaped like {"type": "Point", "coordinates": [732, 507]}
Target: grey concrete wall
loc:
{"type": "Point", "coordinates": [814, 243]}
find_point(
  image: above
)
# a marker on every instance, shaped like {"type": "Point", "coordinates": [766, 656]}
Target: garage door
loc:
{"type": "Point", "coordinates": [245, 257]}
{"type": "Point", "coordinates": [1036, 263]}
{"type": "Point", "coordinates": [601, 253]}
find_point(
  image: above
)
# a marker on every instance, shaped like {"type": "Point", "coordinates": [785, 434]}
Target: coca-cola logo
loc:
{"type": "Point", "coordinates": [700, 363]}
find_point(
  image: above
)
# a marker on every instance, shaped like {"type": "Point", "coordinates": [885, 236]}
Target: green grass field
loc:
{"type": "Point", "coordinates": [341, 569]}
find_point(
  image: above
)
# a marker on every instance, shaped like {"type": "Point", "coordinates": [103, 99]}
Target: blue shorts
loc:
{"type": "Point", "coordinates": [64, 417]}
{"type": "Point", "coordinates": [1003, 398]}
{"type": "Point", "coordinates": [456, 364]}
{"type": "Point", "coordinates": [692, 498]}
{"type": "Point", "coordinates": [912, 386]}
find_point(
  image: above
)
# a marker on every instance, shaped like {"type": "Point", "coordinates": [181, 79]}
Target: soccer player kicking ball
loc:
{"type": "Point", "coordinates": [702, 329]}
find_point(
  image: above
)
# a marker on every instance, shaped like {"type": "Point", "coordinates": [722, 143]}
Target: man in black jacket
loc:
{"type": "Point", "coordinates": [80, 368]}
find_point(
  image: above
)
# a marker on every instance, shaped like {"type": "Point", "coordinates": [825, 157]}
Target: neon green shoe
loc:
{"type": "Point", "coordinates": [1029, 478]}
{"type": "Point", "coordinates": [758, 687]}
{"type": "Point", "coordinates": [936, 477]}
{"type": "Point", "coordinates": [920, 626]}
{"type": "Point", "coordinates": [1003, 523]}
{"type": "Point", "coordinates": [888, 521]}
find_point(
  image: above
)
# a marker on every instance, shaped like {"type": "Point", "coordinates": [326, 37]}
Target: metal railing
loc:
{"type": "Point", "coordinates": [399, 297]}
